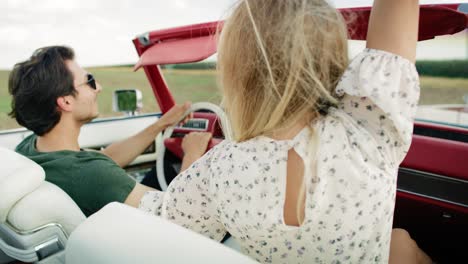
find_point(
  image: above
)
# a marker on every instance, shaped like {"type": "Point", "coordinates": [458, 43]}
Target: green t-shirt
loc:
{"type": "Point", "coordinates": [90, 178]}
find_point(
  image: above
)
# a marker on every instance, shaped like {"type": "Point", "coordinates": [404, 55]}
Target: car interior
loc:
{"type": "Point", "coordinates": [39, 223]}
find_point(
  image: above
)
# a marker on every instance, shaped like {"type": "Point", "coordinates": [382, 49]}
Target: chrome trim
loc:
{"type": "Point", "coordinates": [440, 123]}
{"type": "Point", "coordinates": [44, 250]}
{"type": "Point", "coordinates": [184, 127]}
{"type": "Point", "coordinates": [120, 118]}
{"type": "Point", "coordinates": [45, 244]}
{"type": "Point", "coordinates": [144, 39]}
{"type": "Point", "coordinates": [434, 198]}
{"type": "Point", "coordinates": [95, 121]}
{"type": "Point", "coordinates": [433, 176]}
{"type": "Point", "coordinates": [37, 229]}
{"type": "Point", "coordinates": [14, 131]}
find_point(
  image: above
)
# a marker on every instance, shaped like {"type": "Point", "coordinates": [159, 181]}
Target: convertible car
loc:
{"type": "Point", "coordinates": [40, 223]}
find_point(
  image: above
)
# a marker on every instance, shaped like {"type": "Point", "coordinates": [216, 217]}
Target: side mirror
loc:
{"type": "Point", "coordinates": [128, 101]}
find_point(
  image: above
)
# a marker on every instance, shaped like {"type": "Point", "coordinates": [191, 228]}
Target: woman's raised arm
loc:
{"type": "Point", "coordinates": [393, 27]}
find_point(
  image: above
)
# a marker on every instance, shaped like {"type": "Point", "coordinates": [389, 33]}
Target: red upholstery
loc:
{"type": "Point", "coordinates": [435, 20]}
{"type": "Point", "coordinates": [440, 156]}
{"type": "Point", "coordinates": [437, 226]}
{"type": "Point", "coordinates": [179, 51]}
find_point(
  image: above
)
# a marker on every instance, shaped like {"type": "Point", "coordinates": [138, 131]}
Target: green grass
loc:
{"type": "Point", "coordinates": [441, 90]}
{"type": "Point", "coordinates": [201, 85]}
{"type": "Point", "coordinates": [4, 96]}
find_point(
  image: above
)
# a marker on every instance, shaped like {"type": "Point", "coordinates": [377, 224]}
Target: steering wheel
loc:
{"type": "Point", "coordinates": [168, 133]}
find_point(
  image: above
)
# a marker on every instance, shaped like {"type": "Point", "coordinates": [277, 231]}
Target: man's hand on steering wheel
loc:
{"type": "Point", "coordinates": [166, 138]}
{"type": "Point", "coordinates": [171, 117]}
{"type": "Point", "coordinates": [194, 145]}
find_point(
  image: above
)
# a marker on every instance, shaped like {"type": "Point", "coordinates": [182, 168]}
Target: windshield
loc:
{"type": "Point", "coordinates": [441, 62]}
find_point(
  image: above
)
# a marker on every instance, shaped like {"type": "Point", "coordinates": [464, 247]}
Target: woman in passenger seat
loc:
{"type": "Point", "coordinates": [311, 175]}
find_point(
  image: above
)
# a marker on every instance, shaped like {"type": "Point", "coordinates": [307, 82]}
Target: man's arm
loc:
{"type": "Point", "coordinates": [194, 146]}
{"type": "Point", "coordinates": [393, 27]}
{"type": "Point", "coordinates": [125, 151]}
{"type": "Point", "coordinates": [134, 197]}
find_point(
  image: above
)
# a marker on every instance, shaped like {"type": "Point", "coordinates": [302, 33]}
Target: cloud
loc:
{"type": "Point", "coordinates": [101, 31]}
{"type": "Point", "coordinates": [181, 4]}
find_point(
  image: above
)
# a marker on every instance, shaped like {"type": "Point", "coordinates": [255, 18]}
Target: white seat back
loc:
{"type": "Point", "coordinates": [19, 176]}
{"type": "Point", "coordinates": [36, 216]}
{"type": "Point", "coordinates": [122, 234]}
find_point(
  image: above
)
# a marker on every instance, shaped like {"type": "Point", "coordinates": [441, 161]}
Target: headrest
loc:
{"type": "Point", "coordinates": [47, 204]}
{"type": "Point", "coordinates": [19, 176]}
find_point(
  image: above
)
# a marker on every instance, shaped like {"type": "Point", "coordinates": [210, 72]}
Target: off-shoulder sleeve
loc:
{"type": "Point", "coordinates": [380, 90]}
{"type": "Point", "coordinates": [188, 201]}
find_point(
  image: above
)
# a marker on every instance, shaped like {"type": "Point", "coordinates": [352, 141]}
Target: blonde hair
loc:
{"type": "Point", "coordinates": [279, 62]}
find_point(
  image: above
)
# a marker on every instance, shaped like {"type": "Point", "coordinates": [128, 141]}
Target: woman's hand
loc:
{"type": "Point", "coordinates": [194, 146]}
{"type": "Point", "coordinates": [195, 143]}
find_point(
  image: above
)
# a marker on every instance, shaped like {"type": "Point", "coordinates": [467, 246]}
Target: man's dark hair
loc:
{"type": "Point", "coordinates": [35, 85]}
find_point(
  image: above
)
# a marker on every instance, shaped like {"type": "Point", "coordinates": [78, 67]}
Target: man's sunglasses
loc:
{"type": "Point", "coordinates": [91, 81]}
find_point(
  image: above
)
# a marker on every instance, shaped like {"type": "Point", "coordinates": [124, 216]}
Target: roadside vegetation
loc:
{"type": "Point", "coordinates": [201, 85]}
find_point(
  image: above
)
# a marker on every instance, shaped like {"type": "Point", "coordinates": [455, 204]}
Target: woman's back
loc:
{"type": "Point", "coordinates": [283, 62]}
{"type": "Point", "coordinates": [349, 177]}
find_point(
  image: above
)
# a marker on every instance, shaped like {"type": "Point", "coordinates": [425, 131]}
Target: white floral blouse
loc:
{"type": "Point", "coordinates": [240, 187]}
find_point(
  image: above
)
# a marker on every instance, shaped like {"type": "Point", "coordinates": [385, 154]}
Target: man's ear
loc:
{"type": "Point", "coordinates": [65, 103]}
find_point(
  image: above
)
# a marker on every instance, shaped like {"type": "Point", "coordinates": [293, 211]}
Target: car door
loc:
{"type": "Point", "coordinates": [432, 194]}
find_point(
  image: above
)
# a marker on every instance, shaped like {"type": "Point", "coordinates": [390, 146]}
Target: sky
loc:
{"type": "Point", "coordinates": [100, 31]}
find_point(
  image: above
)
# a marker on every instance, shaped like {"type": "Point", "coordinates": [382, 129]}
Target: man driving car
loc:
{"type": "Point", "coordinates": [54, 97]}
